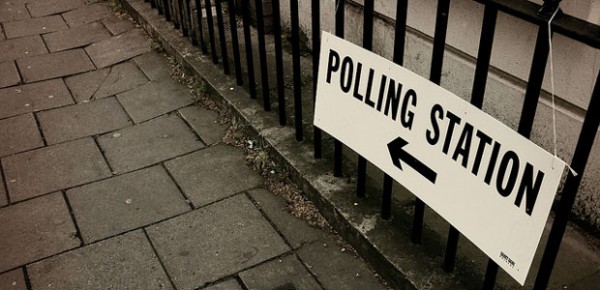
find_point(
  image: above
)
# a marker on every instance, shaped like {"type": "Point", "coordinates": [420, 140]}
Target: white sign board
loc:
{"type": "Point", "coordinates": [495, 186]}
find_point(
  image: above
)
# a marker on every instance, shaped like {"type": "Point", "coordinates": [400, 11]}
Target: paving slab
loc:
{"type": "Point", "coordinates": [76, 37]}
{"type": "Point", "coordinates": [87, 14]}
{"type": "Point", "coordinates": [230, 284]}
{"type": "Point", "coordinates": [213, 173]}
{"type": "Point", "coordinates": [13, 280]}
{"type": "Point", "coordinates": [18, 134]}
{"type": "Point", "coordinates": [9, 75]}
{"type": "Point", "coordinates": [296, 231]}
{"type": "Point", "coordinates": [83, 86]}
{"type": "Point", "coordinates": [204, 122]}
{"type": "Point", "coordinates": [117, 25]}
{"type": "Point", "coordinates": [22, 47]}
{"type": "Point", "coordinates": [3, 197]}
{"type": "Point", "coordinates": [154, 65]}
{"type": "Point", "coordinates": [119, 204]}
{"type": "Point", "coordinates": [13, 11]}
{"type": "Point", "coordinates": [33, 97]}
{"type": "Point", "coordinates": [119, 48]}
{"type": "Point", "coordinates": [123, 262]}
{"type": "Point", "coordinates": [122, 77]}
{"type": "Point", "coordinates": [49, 7]}
{"type": "Point", "coordinates": [239, 238]}
{"type": "Point", "coordinates": [154, 99]}
{"type": "Point", "coordinates": [336, 269]}
{"type": "Point", "coordinates": [53, 168]}
{"type": "Point", "coordinates": [284, 273]}
{"type": "Point", "coordinates": [148, 143]}
{"type": "Point", "coordinates": [105, 82]}
{"type": "Point", "coordinates": [81, 120]}
{"type": "Point", "coordinates": [34, 26]}
{"type": "Point", "coordinates": [35, 229]}
{"type": "Point", "coordinates": [58, 64]}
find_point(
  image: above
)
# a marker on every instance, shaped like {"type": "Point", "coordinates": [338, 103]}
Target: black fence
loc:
{"type": "Point", "coordinates": [179, 12]}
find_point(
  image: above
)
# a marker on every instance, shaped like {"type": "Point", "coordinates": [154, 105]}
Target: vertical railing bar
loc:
{"type": "Point", "coordinates": [484, 55]}
{"type": "Point", "coordinates": [211, 31]}
{"type": "Point", "coordinates": [398, 57]}
{"type": "Point", "coordinates": [166, 10]}
{"type": "Point", "coordinates": [296, 69]}
{"type": "Point", "coordinates": [193, 27]}
{"type": "Point", "coordinates": [340, 6]}
{"type": "Point", "coordinates": [451, 248]}
{"type": "Point", "coordinates": [534, 85]}
{"type": "Point", "coordinates": [175, 6]}
{"type": "Point", "coordinates": [183, 13]}
{"type": "Point", "coordinates": [279, 61]}
{"type": "Point", "coordinates": [439, 43]}
{"type": "Point", "coordinates": [159, 7]}
{"type": "Point", "coordinates": [200, 29]}
{"type": "Point", "coordinates": [361, 176]}
{"type": "Point", "coordinates": [490, 275]}
{"type": "Point", "coordinates": [400, 34]}
{"type": "Point", "coordinates": [248, 45]}
{"type": "Point", "coordinates": [262, 53]}
{"type": "Point", "coordinates": [221, 27]}
{"type": "Point", "coordinates": [479, 83]}
{"type": "Point", "coordinates": [316, 42]}
{"type": "Point", "coordinates": [587, 136]}
{"type": "Point", "coordinates": [386, 204]}
{"type": "Point", "coordinates": [235, 43]}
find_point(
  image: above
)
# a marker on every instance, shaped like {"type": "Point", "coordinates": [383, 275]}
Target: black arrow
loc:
{"type": "Point", "coordinates": [397, 153]}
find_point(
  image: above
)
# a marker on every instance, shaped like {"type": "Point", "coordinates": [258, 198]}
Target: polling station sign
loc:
{"type": "Point", "coordinates": [495, 186]}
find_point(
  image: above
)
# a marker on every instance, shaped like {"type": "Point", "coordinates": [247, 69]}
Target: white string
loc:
{"type": "Point", "coordinates": [552, 79]}
{"type": "Point", "coordinates": [552, 89]}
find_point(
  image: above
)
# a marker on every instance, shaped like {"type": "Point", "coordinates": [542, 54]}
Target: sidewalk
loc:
{"type": "Point", "coordinates": [113, 177]}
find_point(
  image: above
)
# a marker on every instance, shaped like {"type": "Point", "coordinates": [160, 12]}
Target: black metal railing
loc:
{"type": "Point", "coordinates": [180, 14]}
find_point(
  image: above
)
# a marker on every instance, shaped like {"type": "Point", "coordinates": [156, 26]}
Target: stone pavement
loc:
{"type": "Point", "coordinates": [112, 177]}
